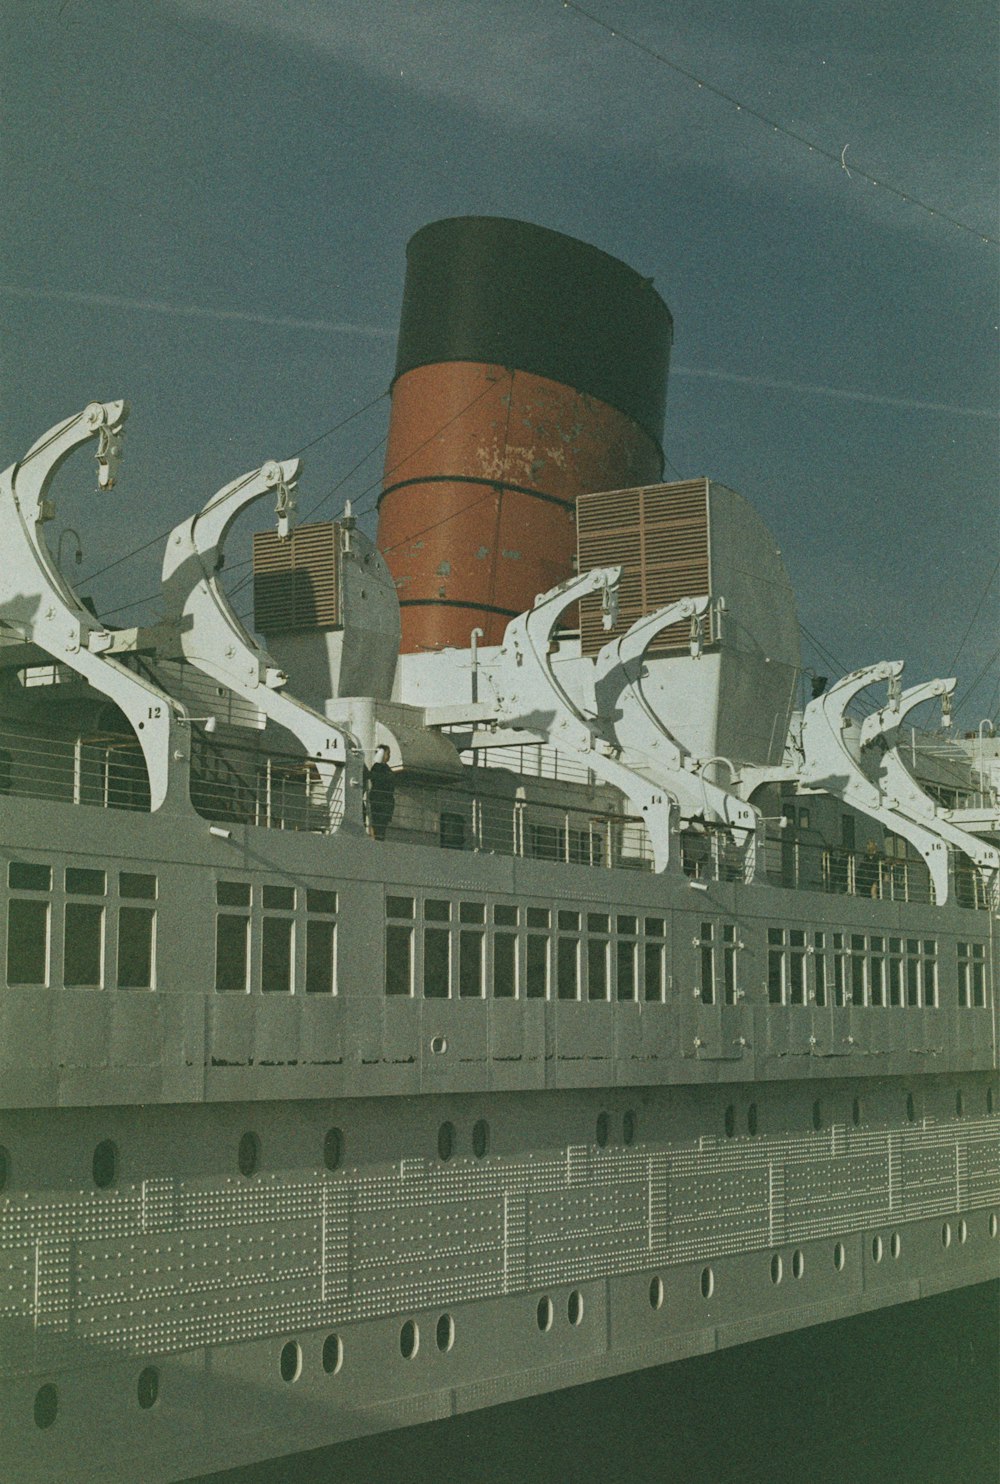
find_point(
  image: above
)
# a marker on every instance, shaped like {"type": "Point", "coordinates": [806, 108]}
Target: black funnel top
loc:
{"type": "Point", "coordinates": [481, 288]}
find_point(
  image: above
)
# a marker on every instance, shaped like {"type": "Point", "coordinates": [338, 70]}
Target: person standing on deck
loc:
{"type": "Point", "coordinates": [380, 794]}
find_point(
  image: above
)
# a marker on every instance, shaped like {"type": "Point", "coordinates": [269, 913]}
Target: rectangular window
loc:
{"type": "Point", "coordinates": [930, 973]}
{"type": "Point", "coordinates": [321, 901]}
{"type": "Point", "coordinates": [857, 969]}
{"type": "Point", "coordinates": [23, 876]}
{"type": "Point", "coordinates": [399, 906]}
{"type": "Point", "coordinates": [470, 961]}
{"type": "Point", "coordinates": [137, 886]}
{"type": "Point", "coordinates": [472, 912]}
{"type": "Point", "coordinates": [706, 954]}
{"type": "Point", "coordinates": [729, 946]}
{"type": "Point", "coordinates": [232, 938]}
{"type": "Point", "coordinates": [597, 967]}
{"type": "Point", "coordinates": [504, 916]}
{"type": "Point", "coordinates": [277, 943]}
{"type": "Point", "coordinates": [232, 893]}
{"type": "Point", "coordinates": [537, 966]}
{"type": "Point", "coordinates": [625, 956]}
{"type": "Point", "coordinates": [895, 969]}
{"type": "Point", "coordinates": [437, 961]}
{"type": "Point", "coordinates": [279, 898]}
{"type": "Point", "coordinates": [912, 971]}
{"type": "Point", "coordinates": [505, 965]}
{"type": "Point", "coordinates": [81, 882]}
{"type": "Point", "coordinates": [568, 965]}
{"type": "Point", "coordinates": [796, 966]}
{"type": "Point", "coordinates": [775, 966]}
{"type": "Point", "coordinates": [135, 947]}
{"type": "Point", "coordinates": [976, 982]}
{"type": "Point", "coordinates": [539, 917]}
{"type": "Point", "coordinates": [652, 970]}
{"type": "Point", "coordinates": [27, 940]}
{"type": "Point", "coordinates": [839, 970]}
{"type": "Point", "coordinates": [83, 946]}
{"type": "Point", "coordinates": [398, 956]}
{"type": "Point", "coordinates": [819, 967]}
{"type": "Point", "coordinates": [437, 909]}
{"type": "Point", "coordinates": [321, 943]}
{"type": "Point", "coordinates": [876, 971]}
{"type": "Point", "coordinates": [569, 922]}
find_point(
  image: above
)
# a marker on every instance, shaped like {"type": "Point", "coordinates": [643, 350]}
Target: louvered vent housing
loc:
{"type": "Point", "coordinates": [659, 537]}
{"type": "Point", "coordinates": [296, 581]}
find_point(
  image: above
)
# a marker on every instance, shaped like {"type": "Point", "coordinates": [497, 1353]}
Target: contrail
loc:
{"type": "Point", "coordinates": [195, 311]}
{"type": "Point", "coordinates": [834, 391]}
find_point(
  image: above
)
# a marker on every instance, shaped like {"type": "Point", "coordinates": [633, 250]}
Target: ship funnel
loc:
{"type": "Point", "coordinates": [531, 369]}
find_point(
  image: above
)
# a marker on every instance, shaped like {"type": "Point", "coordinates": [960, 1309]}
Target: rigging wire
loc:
{"type": "Point", "coordinates": [162, 535]}
{"type": "Point", "coordinates": [972, 620]}
{"type": "Point", "coordinates": [741, 107]}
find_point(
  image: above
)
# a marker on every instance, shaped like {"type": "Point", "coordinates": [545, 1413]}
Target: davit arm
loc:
{"type": "Point", "coordinates": [642, 733]}
{"type": "Point", "coordinates": [531, 697]}
{"type": "Point", "coordinates": [37, 603]}
{"type": "Point", "coordinates": [211, 637]}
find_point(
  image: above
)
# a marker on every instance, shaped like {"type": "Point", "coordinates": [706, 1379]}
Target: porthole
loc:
{"type": "Point", "coordinates": [963, 1230]}
{"type": "Point", "coordinates": [444, 1334]}
{"type": "Point", "coordinates": [992, 1224]}
{"type": "Point", "coordinates": [798, 1263]}
{"type": "Point", "coordinates": [4, 1167]}
{"type": "Point", "coordinates": [602, 1129]}
{"type": "Point", "coordinates": [752, 1119]}
{"type": "Point", "coordinates": [333, 1354]}
{"type": "Point", "coordinates": [333, 1148]}
{"type": "Point", "coordinates": [480, 1138]}
{"type": "Point", "coordinates": [877, 1249]}
{"type": "Point", "coordinates": [147, 1388]}
{"type": "Point", "coordinates": [544, 1314]}
{"type": "Point", "coordinates": [446, 1140]}
{"type": "Point", "coordinates": [856, 1112]}
{"type": "Point", "coordinates": [628, 1126]}
{"type": "Point", "coordinates": [946, 1234]}
{"type": "Point", "coordinates": [776, 1268]}
{"type": "Point", "coordinates": [911, 1112]}
{"type": "Point", "coordinates": [439, 1045]}
{"type": "Point", "coordinates": [248, 1155]}
{"type": "Point", "coordinates": [817, 1115]}
{"type": "Point", "coordinates": [730, 1121]}
{"type": "Point", "coordinates": [839, 1257]}
{"type": "Point", "coordinates": [46, 1405]}
{"type": "Point", "coordinates": [656, 1291]}
{"type": "Point", "coordinates": [105, 1164]}
{"type": "Point", "coordinates": [409, 1340]}
{"type": "Point", "coordinates": [707, 1282]}
{"type": "Point", "coordinates": [895, 1245]}
{"type": "Point", "coordinates": [959, 1104]}
{"type": "Point", "coordinates": [290, 1361]}
{"type": "Point", "coordinates": [574, 1307]}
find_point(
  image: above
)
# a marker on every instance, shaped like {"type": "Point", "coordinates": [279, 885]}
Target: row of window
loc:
{"type": "Point", "coordinates": [865, 969]}
{"type": "Point", "coordinates": [109, 930]}
{"type": "Point", "coordinates": [283, 939]}
{"type": "Point", "coordinates": [443, 949]}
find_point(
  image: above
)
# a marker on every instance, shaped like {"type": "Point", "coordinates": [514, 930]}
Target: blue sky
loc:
{"type": "Point", "coordinates": [208, 206]}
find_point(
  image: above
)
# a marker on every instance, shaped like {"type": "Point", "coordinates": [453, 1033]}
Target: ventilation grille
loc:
{"type": "Point", "coordinates": [295, 581]}
{"type": "Point", "coordinates": [659, 537]}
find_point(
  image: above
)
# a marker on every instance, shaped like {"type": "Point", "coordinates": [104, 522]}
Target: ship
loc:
{"type": "Point", "coordinates": [496, 966]}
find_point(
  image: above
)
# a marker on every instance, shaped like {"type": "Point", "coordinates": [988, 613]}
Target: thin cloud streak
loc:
{"type": "Point", "coordinates": [379, 332]}
{"type": "Point", "coordinates": [911, 404]}
{"type": "Point", "coordinates": [198, 311]}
